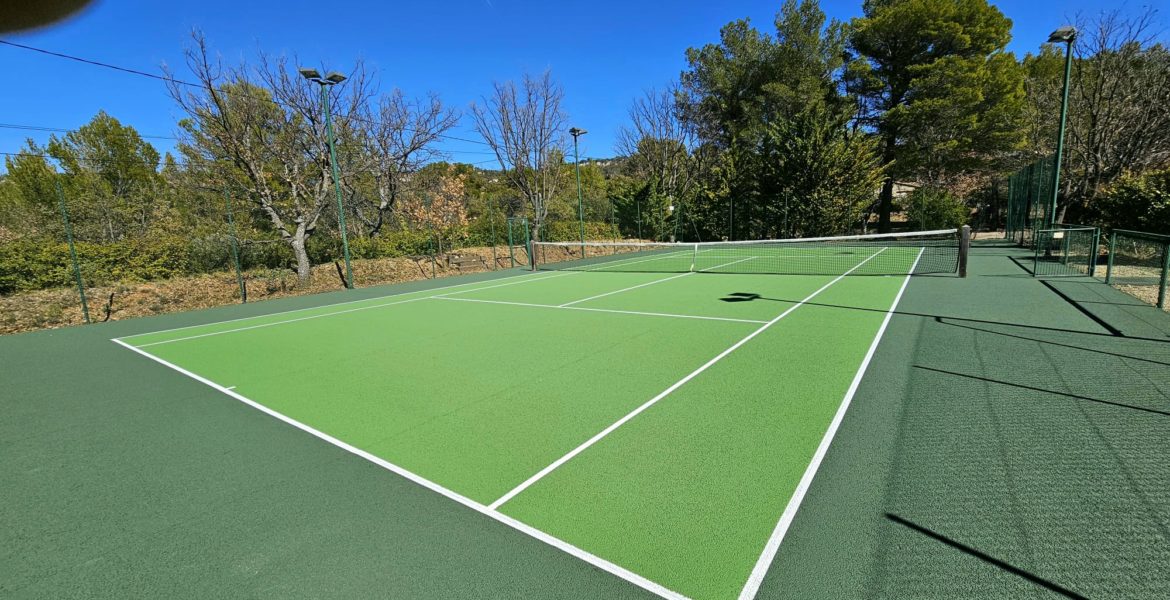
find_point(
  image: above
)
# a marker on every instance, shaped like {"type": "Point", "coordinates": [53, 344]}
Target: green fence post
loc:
{"type": "Point", "coordinates": [1036, 253]}
{"type": "Point", "coordinates": [227, 197]}
{"type": "Point", "coordinates": [1109, 261]}
{"type": "Point", "coordinates": [511, 244]}
{"type": "Point", "coordinates": [528, 245]}
{"type": "Point", "coordinates": [495, 260]}
{"type": "Point", "coordinates": [1094, 248]}
{"type": "Point", "coordinates": [1165, 274]}
{"type": "Point", "coordinates": [72, 251]}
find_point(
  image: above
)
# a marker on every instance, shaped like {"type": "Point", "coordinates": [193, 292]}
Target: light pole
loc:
{"type": "Point", "coordinates": [333, 78]}
{"type": "Point", "coordinates": [1068, 35]}
{"type": "Point", "coordinates": [577, 132]}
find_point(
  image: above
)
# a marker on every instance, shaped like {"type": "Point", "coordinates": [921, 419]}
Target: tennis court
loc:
{"type": "Point", "coordinates": [657, 411]}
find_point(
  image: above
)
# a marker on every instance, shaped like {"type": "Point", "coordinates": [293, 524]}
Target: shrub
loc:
{"type": "Point", "coordinates": [929, 208]}
{"type": "Point", "coordinates": [1138, 202]}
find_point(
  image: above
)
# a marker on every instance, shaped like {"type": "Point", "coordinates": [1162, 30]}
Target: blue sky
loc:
{"type": "Point", "coordinates": [605, 53]}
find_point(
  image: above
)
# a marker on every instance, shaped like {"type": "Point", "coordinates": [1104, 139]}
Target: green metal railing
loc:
{"type": "Point", "coordinates": [1065, 250]}
{"type": "Point", "coordinates": [1139, 264]}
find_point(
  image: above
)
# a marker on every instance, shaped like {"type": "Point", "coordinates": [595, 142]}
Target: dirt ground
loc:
{"type": "Point", "coordinates": [47, 309]}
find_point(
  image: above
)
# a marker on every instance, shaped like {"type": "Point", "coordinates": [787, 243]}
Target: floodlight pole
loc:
{"type": "Point", "coordinates": [329, 80]}
{"type": "Point", "coordinates": [576, 133]}
{"type": "Point", "coordinates": [1068, 35]}
{"type": "Point", "coordinates": [72, 250]}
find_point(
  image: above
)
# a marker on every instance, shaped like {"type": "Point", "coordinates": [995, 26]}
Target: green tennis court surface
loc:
{"type": "Point", "coordinates": [660, 426]}
{"type": "Point", "coordinates": [1007, 439]}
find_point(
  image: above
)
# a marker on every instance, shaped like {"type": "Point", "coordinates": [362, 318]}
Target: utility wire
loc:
{"type": "Point", "coordinates": [104, 65]}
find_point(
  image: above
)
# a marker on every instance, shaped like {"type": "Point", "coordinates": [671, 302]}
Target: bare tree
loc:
{"type": "Point", "coordinates": [659, 142]}
{"type": "Point", "coordinates": [398, 138]}
{"type": "Point", "coordinates": [525, 128]}
{"type": "Point", "coordinates": [1119, 113]}
{"type": "Point", "coordinates": [262, 131]}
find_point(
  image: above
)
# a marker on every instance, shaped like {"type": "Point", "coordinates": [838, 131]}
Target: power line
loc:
{"type": "Point", "coordinates": [64, 130]}
{"type": "Point", "coordinates": [47, 129]}
{"type": "Point", "coordinates": [173, 80]}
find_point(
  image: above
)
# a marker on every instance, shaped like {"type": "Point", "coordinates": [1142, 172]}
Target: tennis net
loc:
{"type": "Point", "coordinates": [941, 251]}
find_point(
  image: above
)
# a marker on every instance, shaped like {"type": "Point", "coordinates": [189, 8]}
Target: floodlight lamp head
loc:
{"type": "Point", "coordinates": [334, 77]}
{"type": "Point", "coordinates": [576, 131]}
{"type": "Point", "coordinates": [1068, 33]}
{"type": "Point", "coordinates": [310, 74]}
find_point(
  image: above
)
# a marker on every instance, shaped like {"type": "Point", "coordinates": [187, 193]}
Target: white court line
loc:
{"type": "Point", "coordinates": [752, 587]}
{"type": "Point", "coordinates": [642, 285]}
{"type": "Point", "coordinates": [604, 310]}
{"type": "Point", "coordinates": [525, 277]}
{"type": "Point", "coordinates": [346, 311]}
{"type": "Point", "coordinates": [596, 438]}
{"type": "Point", "coordinates": [632, 287]}
{"type": "Point", "coordinates": [628, 261]}
{"type": "Point", "coordinates": [557, 543]}
{"type": "Point", "coordinates": [297, 310]}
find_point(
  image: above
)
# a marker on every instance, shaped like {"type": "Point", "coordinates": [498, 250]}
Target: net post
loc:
{"type": "Point", "coordinates": [694, 256]}
{"type": "Point", "coordinates": [964, 249]}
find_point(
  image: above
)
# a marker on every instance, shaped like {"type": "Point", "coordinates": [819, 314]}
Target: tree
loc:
{"type": "Point", "coordinates": [935, 83]}
{"type": "Point", "coordinates": [742, 97]}
{"type": "Point", "coordinates": [821, 173]}
{"type": "Point", "coordinates": [397, 137]}
{"type": "Point", "coordinates": [525, 128]}
{"type": "Point", "coordinates": [658, 143]}
{"type": "Point", "coordinates": [30, 198]}
{"type": "Point", "coordinates": [1119, 103]}
{"type": "Point", "coordinates": [440, 207]}
{"type": "Point", "coordinates": [262, 131]}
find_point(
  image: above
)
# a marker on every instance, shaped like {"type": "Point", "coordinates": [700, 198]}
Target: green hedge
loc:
{"type": "Point", "coordinates": [33, 264]}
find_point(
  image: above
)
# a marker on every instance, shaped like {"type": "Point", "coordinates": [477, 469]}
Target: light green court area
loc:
{"type": "Point", "coordinates": [529, 395]}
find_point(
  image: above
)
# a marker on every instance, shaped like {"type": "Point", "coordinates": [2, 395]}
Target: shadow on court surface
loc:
{"type": "Point", "coordinates": [1113, 333]}
{"type": "Point", "coordinates": [987, 558]}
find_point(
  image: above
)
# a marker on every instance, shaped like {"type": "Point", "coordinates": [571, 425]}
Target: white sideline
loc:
{"type": "Point", "coordinates": [752, 587]}
{"type": "Point", "coordinates": [346, 311]}
{"type": "Point", "coordinates": [604, 310]}
{"type": "Point", "coordinates": [596, 438]}
{"type": "Point", "coordinates": [555, 542]}
{"type": "Point", "coordinates": [642, 285]}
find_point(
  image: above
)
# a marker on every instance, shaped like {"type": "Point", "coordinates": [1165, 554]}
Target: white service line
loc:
{"type": "Point", "coordinates": [642, 285]}
{"type": "Point", "coordinates": [557, 543]}
{"type": "Point", "coordinates": [346, 311]}
{"type": "Point", "coordinates": [604, 310]}
{"type": "Point", "coordinates": [752, 587]}
{"type": "Point", "coordinates": [596, 438]}
{"type": "Point", "coordinates": [630, 261]}
{"type": "Point", "coordinates": [632, 287]}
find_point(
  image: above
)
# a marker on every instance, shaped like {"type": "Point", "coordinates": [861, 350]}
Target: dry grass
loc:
{"type": "Point", "coordinates": [1146, 293]}
{"type": "Point", "coordinates": [47, 309]}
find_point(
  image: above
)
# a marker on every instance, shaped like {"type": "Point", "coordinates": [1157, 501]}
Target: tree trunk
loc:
{"type": "Point", "coordinates": [886, 201]}
{"type": "Point", "coordinates": [885, 205]}
{"type": "Point", "coordinates": [297, 241]}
